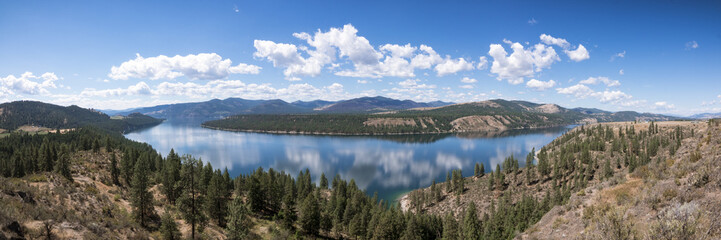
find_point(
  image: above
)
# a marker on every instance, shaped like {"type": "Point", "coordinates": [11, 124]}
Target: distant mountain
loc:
{"type": "Point", "coordinates": [705, 116]}
{"type": "Point", "coordinates": [31, 113]}
{"type": "Point", "coordinates": [217, 109]}
{"type": "Point", "coordinates": [486, 116]}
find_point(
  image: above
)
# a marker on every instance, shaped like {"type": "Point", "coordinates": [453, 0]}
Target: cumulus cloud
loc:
{"type": "Point", "coordinates": [581, 91]}
{"type": "Point", "coordinates": [205, 66]}
{"type": "Point", "coordinates": [27, 83]}
{"type": "Point", "coordinates": [482, 63]}
{"type": "Point", "coordinates": [341, 46]}
{"type": "Point", "coordinates": [467, 86]}
{"type": "Point", "coordinates": [549, 40]}
{"type": "Point", "coordinates": [140, 88]}
{"type": "Point", "coordinates": [604, 80]}
{"type": "Point", "coordinates": [691, 45]}
{"type": "Point", "coordinates": [620, 72]}
{"type": "Point", "coordinates": [522, 62]}
{"type": "Point", "coordinates": [450, 66]}
{"type": "Point", "coordinates": [362, 81]}
{"type": "Point", "coordinates": [579, 54]}
{"type": "Point", "coordinates": [664, 106]}
{"type": "Point", "coordinates": [468, 80]}
{"type": "Point", "coordinates": [532, 21]}
{"type": "Point", "coordinates": [540, 85]}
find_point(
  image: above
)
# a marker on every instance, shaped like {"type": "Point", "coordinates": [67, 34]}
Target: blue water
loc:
{"type": "Point", "coordinates": [386, 165]}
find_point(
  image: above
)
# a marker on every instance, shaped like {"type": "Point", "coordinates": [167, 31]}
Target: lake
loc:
{"type": "Point", "coordinates": [389, 165]}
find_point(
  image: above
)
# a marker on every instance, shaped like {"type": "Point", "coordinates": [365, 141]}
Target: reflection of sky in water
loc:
{"type": "Point", "coordinates": [381, 165]}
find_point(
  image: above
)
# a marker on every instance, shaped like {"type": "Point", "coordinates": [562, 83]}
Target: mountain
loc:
{"type": "Point", "coordinates": [14, 115]}
{"type": "Point", "coordinates": [705, 116]}
{"type": "Point", "coordinates": [217, 109]}
{"type": "Point", "coordinates": [485, 116]}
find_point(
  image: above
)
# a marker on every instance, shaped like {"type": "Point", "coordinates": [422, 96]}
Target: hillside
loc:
{"type": "Point", "coordinates": [17, 114]}
{"type": "Point", "coordinates": [602, 181]}
{"type": "Point", "coordinates": [487, 116]}
{"type": "Point", "coordinates": [217, 109]}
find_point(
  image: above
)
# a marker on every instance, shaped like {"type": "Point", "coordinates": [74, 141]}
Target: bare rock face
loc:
{"type": "Point", "coordinates": [548, 108]}
{"type": "Point", "coordinates": [480, 123]}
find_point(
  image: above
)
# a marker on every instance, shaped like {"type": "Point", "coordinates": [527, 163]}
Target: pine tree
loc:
{"type": "Point", "coordinates": [323, 181]}
{"type": "Point", "coordinates": [412, 231]}
{"type": "Point", "coordinates": [287, 214]}
{"type": "Point", "coordinates": [62, 165]}
{"type": "Point", "coordinates": [190, 199]}
{"type": "Point", "coordinates": [141, 198]}
{"type": "Point", "coordinates": [126, 166]}
{"type": "Point", "coordinates": [216, 204]}
{"type": "Point", "coordinates": [310, 215]}
{"type": "Point", "coordinates": [169, 229]}
{"type": "Point", "coordinates": [450, 227]}
{"type": "Point", "coordinates": [171, 176]}
{"type": "Point", "coordinates": [114, 171]}
{"type": "Point", "coordinates": [239, 222]}
{"type": "Point", "coordinates": [607, 170]}
{"type": "Point", "coordinates": [477, 170]}
{"type": "Point", "coordinates": [471, 225]}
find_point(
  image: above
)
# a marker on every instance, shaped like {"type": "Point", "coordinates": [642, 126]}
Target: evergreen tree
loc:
{"type": "Point", "coordinates": [471, 225]}
{"type": "Point", "coordinates": [310, 215]}
{"type": "Point", "coordinates": [450, 227]}
{"type": "Point", "coordinates": [477, 170]}
{"type": "Point", "coordinates": [323, 181]}
{"type": "Point", "coordinates": [171, 176]}
{"type": "Point", "coordinates": [191, 200]}
{"type": "Point", "coordinates": [287, 214]}
{"type": "Point", "coordinates": [216, 204]}
{"type": "Point", "coordinates": [607, 170]}
{"type": "Point", "coordinates": [169, 229]}
{"type": "Point", "coordinates": [141, 198]}
{"type": "Point", "coordinates": [239, 222]}
{"type": "Point", "coordinates": [62, 165]}
{"type": "Point", "coordinates": [412, 230]}
{"type": "Point", "coordinates": [114, 171]}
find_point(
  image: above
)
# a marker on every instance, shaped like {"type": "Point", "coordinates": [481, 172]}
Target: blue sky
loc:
{"type": "Point", "coordinates": [625, 55]}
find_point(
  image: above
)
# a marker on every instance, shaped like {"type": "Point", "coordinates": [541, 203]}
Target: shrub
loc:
{"type": "Point", "coordinates": [677, 222]}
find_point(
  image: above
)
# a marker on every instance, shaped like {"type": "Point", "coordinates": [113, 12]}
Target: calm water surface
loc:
{"type": "Point", "coordinates": [387, 165]}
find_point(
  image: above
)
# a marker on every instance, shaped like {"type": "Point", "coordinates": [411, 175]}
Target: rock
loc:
{"type": "Point", "coordinates": [15, 228]}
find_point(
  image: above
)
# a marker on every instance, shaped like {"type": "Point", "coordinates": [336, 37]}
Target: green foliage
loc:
{"type": "Point", "coordinates": [62, 165]}
{"type": "Point", "coordinates": [310, 215]}
{"type": "Point", "coordinates": [450, 228]}
{"type": "Point", "coordinates": [169, 229]}
{"type": "Point", "coordinates": [471, 225]}
{"type": "Point", "coordinates": [191, 200]}
{"type": "Point", "coordinates": [217, 198]}
{"type": "Point", "coordinates": [141, 199]}
{"type": "Point", "coordinates": [238, 220]}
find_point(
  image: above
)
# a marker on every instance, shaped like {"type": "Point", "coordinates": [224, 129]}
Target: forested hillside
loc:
{"type": "Point", "coordinates": [30, 113]}
{"type": "Point", "coordinates": [487, 116]}
{"type": "Point", "coordinates": [604, 181]}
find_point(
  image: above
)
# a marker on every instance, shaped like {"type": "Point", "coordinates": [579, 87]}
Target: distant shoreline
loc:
{"type": "Point", "coordinates": [367, 134]}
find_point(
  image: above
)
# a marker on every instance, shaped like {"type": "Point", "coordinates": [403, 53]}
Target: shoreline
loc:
{"type": "Point", "coordinates": [370, 134]}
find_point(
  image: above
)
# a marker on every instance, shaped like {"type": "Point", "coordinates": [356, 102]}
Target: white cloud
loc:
{"type": "Point", "coordinates": [540, 85]}
{"type": "Point", "coordinates": [581, 91]}
{"type": "Point", "coordinates": [664, 106]}
{"type": "Point", "coordinates": [206, 66]}
{"type": "Point", "coordinates": [691, 45]}
{"type": "Point", "coordinates": [620, 72]}
{"type": "Point", "coordinates": [521, 63]}
{"type": "Point", "coordinates": [27, 83]}
{"type": "Point", "coordinates": [549, 40]}
{"type": "Point", "coordinates": [579, 54]}
{"type": "Point", "coordinates": [450, 66]}
{"type": "Point", "coordinates": [482, 63]}
{"type": "Point", "coordinates": [467, 86]}
{"type": "Point", "coordinates": [532, 21]}
{"type": "Point", "coordinates": [468, 80]}
{"type": "Point", "coordinates": [339, 47]}
{"type": "Point", "coordinates": [140, 88]}
{"type": "Point", "coordinates": [413, 83]}
{"type": "Point", "coordinates": [618, 55]}
{"type": "Point", "coordinates": [362, 81]}
{"type": "Point", "coordinates": [604, 80]}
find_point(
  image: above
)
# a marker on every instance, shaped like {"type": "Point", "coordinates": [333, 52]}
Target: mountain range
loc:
{"type": "Point", "coordinates": [217, 109]}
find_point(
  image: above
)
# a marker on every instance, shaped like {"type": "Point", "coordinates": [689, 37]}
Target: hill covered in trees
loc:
{"type": "Point", "coordinates": [31, 113]}
{"type": "Point", "coordinates": [486, 116]}
{"type": "Point", "coordinates": [216, 108]}
{"type": "Point", "coordinates": [602, 181]}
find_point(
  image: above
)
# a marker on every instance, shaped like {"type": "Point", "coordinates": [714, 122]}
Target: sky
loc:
{"type": "Point", "coordinates": [647, 56]}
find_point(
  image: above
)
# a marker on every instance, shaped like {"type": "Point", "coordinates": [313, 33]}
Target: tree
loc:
{"type": "Point", "coordinates": [191, 200]}
{"type": "Point", "coordinates": [412, 231]}
{"type": "Point", "coordinates": [114, 171]}
{"type": "Point", "coordinates": [62, 165]}
{"type": "Point", "coordinates": [471, 225]}
{"type": "Point", "coordinates": [450, 227]}
{"type": "Point", "coordinates": [310, 215]}
{"type": "Point", "coordinates": [217, 199]}
{"type": "Point", "coordinates": [168, 228]}
{"type": "Point", "coordinates": [530, 170]}
{"type": "Point", "coordinates": [477, 170]}
{"type": "Point", "coordinates": [543, 166]}
{"type": "Point", "coordinates": [323, 181]}
{"type": "Point", "coordinates": [238, 220]}
{"type": "Point", "coordinates": [171, 176]}
{"type": "Point", "coordinates": [141, 198]}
